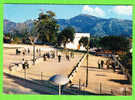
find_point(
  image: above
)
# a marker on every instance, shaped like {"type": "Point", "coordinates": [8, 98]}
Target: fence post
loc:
{"type": "Point", "coordinates": [111, 92]}
{"type": "Point", "coordinates": [100, 88]}
{"type": "Point", "coordinates": [41, 76]}
{"type": "Point", "coordinates": [79, 85]}
{"type": "Point", "coordinates": [25, 73]}
{"type": "Point", "coordinates": [124, 91]}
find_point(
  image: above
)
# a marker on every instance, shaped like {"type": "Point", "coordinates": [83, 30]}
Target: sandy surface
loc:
{"type": "Point", "coordinates": [15, 83]}
{"type": "Point", "coordinates": [106, 78]}
{"type": "Point", "coordinates": [47, 68]}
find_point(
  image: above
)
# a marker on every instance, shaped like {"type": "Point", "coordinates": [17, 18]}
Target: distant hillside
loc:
{"type": "Point", "coordinates": [84, 23]}
{"type": "Point", "coordinates": [10, 26]}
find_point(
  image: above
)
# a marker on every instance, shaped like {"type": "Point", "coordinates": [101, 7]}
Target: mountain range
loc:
{"type": "Point", "coordinates": [83, 23]}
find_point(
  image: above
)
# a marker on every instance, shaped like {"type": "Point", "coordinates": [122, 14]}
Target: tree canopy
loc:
{"type": "Point", "coordinates": [84, 42]}
{"type": "Point", "coordinates": [114, 43]}
{"type": "Point", "coordinates": [66, 36]}
{"type": "Point", "coordinates": [46, 27]}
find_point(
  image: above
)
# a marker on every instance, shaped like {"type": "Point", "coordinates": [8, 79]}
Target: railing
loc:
{"type": "Point", "coordinates": [124, 70]}
{"type": "Point", "coordinates": [71, 75]}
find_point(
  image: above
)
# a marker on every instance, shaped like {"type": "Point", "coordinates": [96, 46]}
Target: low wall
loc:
{"type": "Point", "coordinates": [74, 71]}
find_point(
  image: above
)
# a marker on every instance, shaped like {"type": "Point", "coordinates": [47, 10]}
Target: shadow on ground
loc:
{"type": "Point", "coordinates": [46, 87]}
{"type": "Point", "coordinates": [90, 67]}
{"type": "Point", "coordinates": [120, 81]}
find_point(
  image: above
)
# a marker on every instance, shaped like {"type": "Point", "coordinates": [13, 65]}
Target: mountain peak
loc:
{"type": "Point", "coordinates": [86, 24]}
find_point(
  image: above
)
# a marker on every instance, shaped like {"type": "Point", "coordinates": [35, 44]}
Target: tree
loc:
{"type": "Point", "coordinates": [46, 26]}
{"type": "Point", "coordinates": [66, 36]}
{"type": "Point", "coordinates": [94, 42]}
{"type": "Point", "coordinates": [114, 43]}
{"type": "Point", "coordinates": [84, 42]}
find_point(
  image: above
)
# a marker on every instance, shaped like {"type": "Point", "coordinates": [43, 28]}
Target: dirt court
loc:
{"type": "Point", "coordinates": [47, 68]}
{"type": "Point", "coordinates": [104, 79]}
{"type": "Point", "coordinates": [14, 82]}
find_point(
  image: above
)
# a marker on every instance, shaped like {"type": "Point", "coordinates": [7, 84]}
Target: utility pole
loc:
{"type": "Point", "coordinates": [33, 54]}
{"type": "Point", "coordinates": [87, 62]}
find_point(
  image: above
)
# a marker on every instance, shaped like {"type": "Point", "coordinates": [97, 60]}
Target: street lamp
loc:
{"type": "Point", "coordinates": [33, 53]}
{"type": "Point", "coordinates": [87, 62]}
{"type": "Point", "coordinates": [59, 80]}
{"type": "Point", "coordinates": [33, 40]}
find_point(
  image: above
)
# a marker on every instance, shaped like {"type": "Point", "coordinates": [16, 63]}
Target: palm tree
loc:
{"type": "Point", "coordinates": [84, 41]}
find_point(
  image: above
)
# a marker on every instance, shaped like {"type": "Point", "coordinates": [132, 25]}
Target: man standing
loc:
{"type": "Point", "coordinates": [23, 64]}
{"type": "Point", "coordinates": [102, 63]}
{"type": "Point", "coordinates": [44, 57]}
{"type": "Point", "coordinates": [59, 57]}
{"type": "Point", "coordinates": [99, 64]}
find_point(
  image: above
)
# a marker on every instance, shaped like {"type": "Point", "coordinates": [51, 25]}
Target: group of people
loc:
{"type": "Point", "coordinates": [24, 52]}
{"type": "Point", "coordinates": [38, 51]}
{"type": "Point", "coordinates": [48, 55]}
{"type": "Point", "coordinates": [27, 51]}
{"type": "Point", "coordinates": [68, 55]}
{"type": "Point", "coordinates": [100, 64]}
{"type": "Point", "coordinates": [109, 63]}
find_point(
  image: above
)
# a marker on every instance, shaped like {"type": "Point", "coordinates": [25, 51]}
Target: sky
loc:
{"type": "Point", "coordinates": [23, 12]}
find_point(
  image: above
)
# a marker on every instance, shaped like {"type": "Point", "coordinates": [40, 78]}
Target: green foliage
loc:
{"type": "Point", "coordinates": [84, 42]}
{"type": "Point", "coordinates": [114, 43]}
{"type": "Point", "coordinates": [16, 40]}
{"type": "Point", "coordinates": [94, 42]}
{"type": "Point", "coordinates": [66, 36]}
{"type": "Point", "coordinates": [126, 60]}
{"type": "Point", "coordinates": [46, 27]}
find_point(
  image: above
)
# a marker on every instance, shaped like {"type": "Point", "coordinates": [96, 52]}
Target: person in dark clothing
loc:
{"type": "Point", "coordinates": [24, 51]}
{"type": "Point", "coordinates": [23, 64]}
{"type": "Point", "coordinates": [48, 55]}
{"type": "Point", "coordinates": [98, 64]}
{"type": "Point", "coordinates": [28, 51]}
{"type": "Point", "coordinates": [17, 51]}
{"type": "Point", "coordinates": [44, 57]}
{"type": "Point", "coordinates": [67, 56]}
{"type": "Point", "coordinates": [37, 50]}
{"type": "Point", "coordinates": [26, 64]}
{"type": "Point", "coordinates": [113, 66]}
{"type": "Point", "coordinates": [107, 63]}
{"type": "Point", "coordinates": [102, 63]}
{"type": "Point", "coordinates": [59, 58]}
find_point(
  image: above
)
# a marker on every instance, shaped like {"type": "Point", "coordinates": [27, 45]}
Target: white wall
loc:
{"type": "Point", "coordinates": [75, 43]}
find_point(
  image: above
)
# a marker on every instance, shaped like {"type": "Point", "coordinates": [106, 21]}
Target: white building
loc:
{"type": "Point", "coordinates": [75, 43]}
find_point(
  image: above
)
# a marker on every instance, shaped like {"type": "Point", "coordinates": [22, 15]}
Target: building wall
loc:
{"type": "Point", "coordinates": [75, 44]}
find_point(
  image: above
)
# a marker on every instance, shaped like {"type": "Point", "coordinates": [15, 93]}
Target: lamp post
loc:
{"type": "Point", "coordinates": [59, 80]}
{"type": "Point", "coordinates": [32, 39]}
{"type": "Point", "coordinates": [33, 54]}
{"type": "Point", "coordinates": [87, 62]}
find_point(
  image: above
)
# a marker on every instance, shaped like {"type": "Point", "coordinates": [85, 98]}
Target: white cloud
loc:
{"type": "Point", "coordinates": [93, 11]}
{"type": "Point", "coordinates": [123, 10]}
